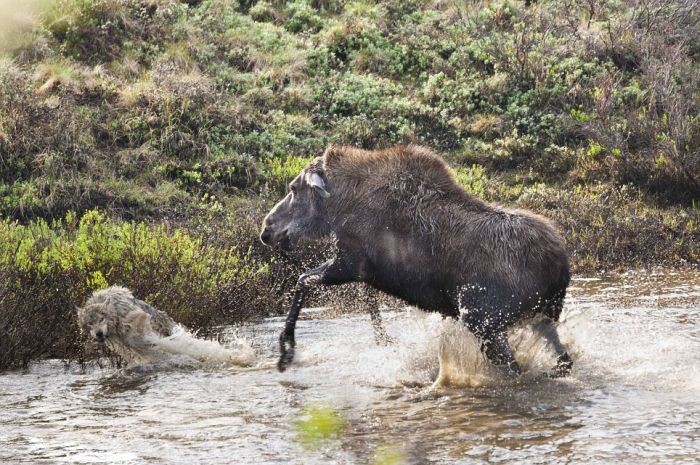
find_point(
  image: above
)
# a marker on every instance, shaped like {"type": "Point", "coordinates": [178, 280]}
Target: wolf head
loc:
{"type": "Point", "coordinates": [98, 324]}
{"type": "Point", "coordinates": [113, 315]}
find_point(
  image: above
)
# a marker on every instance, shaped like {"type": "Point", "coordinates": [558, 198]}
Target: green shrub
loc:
{"type": "Point", "coordinates": [302, 17]}
{"type": "Point", "coordinates": [280, 171]}
{"type": "Point", "coordinates": [198, 283]}
{"type": "Point", "coordinates": [471, 178]}
{"type": "Point", "coordinates": [603, 225]}
{"type": "Point", "coordinates": [88, 29]}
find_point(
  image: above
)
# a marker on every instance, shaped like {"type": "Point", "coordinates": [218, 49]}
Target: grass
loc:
{"type": "Point", "coordinates": [197, 115]}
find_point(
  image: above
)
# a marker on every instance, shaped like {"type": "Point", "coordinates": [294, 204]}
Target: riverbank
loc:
{"type": "Point", "coordinates": [213, 270]}
{"type": "Point", "coordinates": [142, 142]}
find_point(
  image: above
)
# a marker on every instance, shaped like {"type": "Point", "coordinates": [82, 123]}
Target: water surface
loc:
{"type": "Point", "coordinates": [633, 397]}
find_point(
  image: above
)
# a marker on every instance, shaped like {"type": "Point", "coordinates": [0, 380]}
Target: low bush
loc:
{"type": "Point", "coordinates": [48, 268]}
{"type": "Point", "coordinates": [198, 113]}
{"type": "Point", "coordinates": [604, 225]}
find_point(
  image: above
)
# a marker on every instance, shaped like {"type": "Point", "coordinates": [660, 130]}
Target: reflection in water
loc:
{"type": "Point", "coordinates": [476, 423]}
{"type": "Point", "coordinates": [124, 382]}
{"type": "Point", "coordinates": [632, 398]}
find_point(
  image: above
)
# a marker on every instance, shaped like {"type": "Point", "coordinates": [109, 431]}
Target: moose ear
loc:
{"type": "Point", "coordinates": [316, 181]}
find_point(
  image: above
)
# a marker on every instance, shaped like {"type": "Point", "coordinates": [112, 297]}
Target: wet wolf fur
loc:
{"type": "Point", "coordinates": [113, 316]}
{"type": "Point", "coordinates": [404, 226]}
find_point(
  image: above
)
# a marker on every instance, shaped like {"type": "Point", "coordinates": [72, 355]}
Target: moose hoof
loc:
{"type": "Point", "coordinates": [514, 369]}
{"type": "Point", "coordinates": [285, 359]}
{"type": "Point", "coordinates": [563, 367]}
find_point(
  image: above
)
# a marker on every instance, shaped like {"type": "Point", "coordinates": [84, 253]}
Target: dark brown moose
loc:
{"type": "Point", "coordinates": [405, 227]}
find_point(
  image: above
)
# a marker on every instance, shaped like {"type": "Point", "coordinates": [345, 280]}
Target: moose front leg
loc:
{"type": "Point", "coordinates": [332, 272]}
{"type": "Point", "coordinates": [380, 335]}
{"type": "Point", "coordinates": [287, 342]}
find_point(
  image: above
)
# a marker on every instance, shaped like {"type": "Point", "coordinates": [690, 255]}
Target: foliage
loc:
{"type": "Point", "coordinates": [317, 425]}
{"type": "Point", "coordinates": [55, 266]}
{"type": "Point", "coordinates": [199, 96]}
{"type": "Point", "coordinates": [198, 113]}
{"type": "Point", "coordinates": [281, 171]}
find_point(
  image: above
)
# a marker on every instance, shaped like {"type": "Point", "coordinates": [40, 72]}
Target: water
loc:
{"type": "Point", "coordinates": [633, 397]}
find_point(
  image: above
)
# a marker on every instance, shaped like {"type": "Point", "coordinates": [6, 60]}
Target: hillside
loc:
{"type": "Point", "coordinates": [184, 120]}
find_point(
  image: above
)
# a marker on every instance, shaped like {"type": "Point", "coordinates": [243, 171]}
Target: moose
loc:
{"type": "Point", "coordinates": [404, 226]}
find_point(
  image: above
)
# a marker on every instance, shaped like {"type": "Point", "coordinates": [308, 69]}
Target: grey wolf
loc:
{"type": "Point", "coordinates": [113, 316]}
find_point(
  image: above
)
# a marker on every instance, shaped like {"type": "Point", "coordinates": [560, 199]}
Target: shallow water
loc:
{"type": "Point", "coordinates": [633, 397]}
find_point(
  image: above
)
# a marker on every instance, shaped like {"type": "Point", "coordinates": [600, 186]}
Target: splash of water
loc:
{"type": "Point", "coordinates": [431, 350]}
{"type": "Point", "coordinates": [184, 348]}
{"type": "Point", "coordinates": [442, 351]}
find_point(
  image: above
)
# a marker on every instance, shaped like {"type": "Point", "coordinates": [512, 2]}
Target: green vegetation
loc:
{"type": "Point", "coordinates": [389, 455]}
{"type": "Point", "coordinates": [46, 267]}
{"type": "Point", "coordinates": [196, 114]}
{"type": "Point", "coordinates": [317, 425]}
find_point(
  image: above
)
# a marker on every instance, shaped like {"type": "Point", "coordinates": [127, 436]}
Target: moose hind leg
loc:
{"type": "Point", "coordinates": [380, 335]}
{"type": "Point", "coordinates": [564, 362]}
{"type": "Point", "coordinates": [494, 342]}
{"type": "Point", "coordinates": [496, 348]}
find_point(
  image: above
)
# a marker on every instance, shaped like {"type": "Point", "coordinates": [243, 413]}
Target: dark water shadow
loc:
{"type": "Point", "coordinates": [124, 381]}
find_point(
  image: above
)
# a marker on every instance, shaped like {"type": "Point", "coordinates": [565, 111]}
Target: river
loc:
{"type": "Point", "coordinates": [632, 398]}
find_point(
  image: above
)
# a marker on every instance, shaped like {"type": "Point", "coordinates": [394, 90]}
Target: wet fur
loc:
{"type": "Point", "coordinates": [124, 320]}
{"type": "Point", "coordinates": [423, 238]}
{"type": "Point", "coordinates": [404, 226]}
